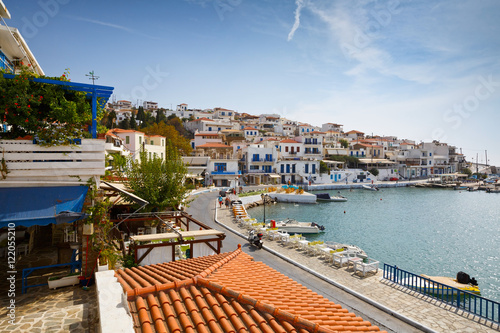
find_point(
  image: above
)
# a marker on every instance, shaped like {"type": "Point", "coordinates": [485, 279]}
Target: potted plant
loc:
{"type": "Point", "coordinates": [107, 259]}
{"type": "Point", "coordinates": [63, 281]}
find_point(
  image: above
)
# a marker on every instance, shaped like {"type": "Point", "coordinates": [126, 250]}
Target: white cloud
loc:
{"type": "Point", "coordinates": [300, 4]}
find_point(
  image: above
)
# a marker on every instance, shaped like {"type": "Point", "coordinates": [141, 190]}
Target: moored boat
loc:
{"type": "Point", "coordinates": [294, 227]}
{"type": "Point", "coordinates": [444, 284]}
{"type": "Point", "coordinates": [351, 248]}
{"type": "Point", "coordinates": [327, 197]}
{"type": "Point", "coordinates": [370, 187]}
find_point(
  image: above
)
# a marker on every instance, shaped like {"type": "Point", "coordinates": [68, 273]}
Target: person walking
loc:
{"type": "Point", "coordinates": [220, 201]}
{"type": "Point", "coordinates": [227, 202]}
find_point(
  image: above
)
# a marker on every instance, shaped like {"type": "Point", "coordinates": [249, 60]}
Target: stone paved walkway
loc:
{"type": "Point", "coordinates": [67, 309]}
{"type": "Point", "coordinates": [420, 308]}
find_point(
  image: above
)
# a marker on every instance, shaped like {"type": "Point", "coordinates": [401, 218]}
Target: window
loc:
{"type": "Point", "coordinates": [163, 142]}
{"type": "Point", "coordinates": [254, 167]}
{"type": "Point", "coordinates": [293, 168]}
{"type": "Point", "coordinates": [286, 148]}
{"type": "Point", "coordinates": [140, 139]}
{"type": "Point", "coordinates": [151, 142]}
{"type": "Point", "coordinates": [255, 158]}
{"type": "Point", "coordinates": [314, 168]}
{"type": "Point", "coordinates": [220, 167]}
{"type": "Point", "coordinates": [210, 129]}
{"type": "Point", "coordinates": [307, 168]}
{"type": "Point", "coordinates": [298, 149]}
{"type": "Point", "coordinates": [288, 168]}
{"type": "Point", "coordinates": [127, 139]}
{"type": "Point", "coordinates": [282, 168]}
{"type": "Point", "coordinates": [269, 157]}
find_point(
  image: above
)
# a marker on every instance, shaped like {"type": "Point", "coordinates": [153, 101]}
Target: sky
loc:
{"type": "Point", "coordinates": [420, 70]}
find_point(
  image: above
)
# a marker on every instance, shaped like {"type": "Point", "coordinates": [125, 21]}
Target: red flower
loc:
{"type": "Point", "coordinates": [26, 121]}
{"type": "Point", "coordinates": [28, 105]}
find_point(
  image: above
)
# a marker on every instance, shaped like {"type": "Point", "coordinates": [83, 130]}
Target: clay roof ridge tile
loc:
{"type": "Point", "coordinates": [131, 294]}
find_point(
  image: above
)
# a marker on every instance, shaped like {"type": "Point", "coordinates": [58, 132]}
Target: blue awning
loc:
{"type": "Point", "coordinates": [27, 206]}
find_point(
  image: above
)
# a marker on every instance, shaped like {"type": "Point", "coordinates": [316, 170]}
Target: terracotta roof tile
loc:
{"type": "Point", "coordinates": [213, 145]}
{"type": "Point", "coordinates": [229, 292]}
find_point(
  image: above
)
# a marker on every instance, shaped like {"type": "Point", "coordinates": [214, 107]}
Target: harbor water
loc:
{"type": "Point", "coordinates": [436, 232]}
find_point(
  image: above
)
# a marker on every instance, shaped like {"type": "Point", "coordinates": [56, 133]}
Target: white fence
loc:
{"type": "Point", "coordinates": [27, 162]}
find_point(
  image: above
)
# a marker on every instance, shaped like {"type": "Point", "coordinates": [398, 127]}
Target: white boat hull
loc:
{"type": "Point", "coordinates": [291, 229]}
{"type": "Point", "coordinates": [370, 188]}
{"type": "Point", "coordinates": [295, 227]}
{"type": "Point", "coordinates": [334, 199]}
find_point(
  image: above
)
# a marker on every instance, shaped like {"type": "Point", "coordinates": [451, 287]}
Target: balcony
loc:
{"type": "Point", "coordinates": [28, 162]}
{"type": "Point", "coordinates": [312, 152]}
{"type": "Point", "coordinates": [263, 160]}
{"type": "Point", "coordinates": [225, 173]}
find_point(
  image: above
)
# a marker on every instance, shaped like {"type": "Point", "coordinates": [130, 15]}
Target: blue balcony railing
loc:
{"type": "Point", "coordinates": [457, 298]}
{"type": "Point", "coordinates": [262, 159]}
{"type": "Point", "coordinates": [225, 173]}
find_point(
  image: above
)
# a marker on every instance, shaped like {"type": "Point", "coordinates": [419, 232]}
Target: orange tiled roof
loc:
{"type": "Point", "coordinates": [200, 119]}
{"type": "Point", "coordinates": [207, 134]}
{"type": "Point", "coordinates": [119, 130]}
{"type": "Point", "coordinates": [228, 292]}
{"type": "Point", "coordinates": [213, 145]}
{"type": "Point", "coordinates": [289, 141]}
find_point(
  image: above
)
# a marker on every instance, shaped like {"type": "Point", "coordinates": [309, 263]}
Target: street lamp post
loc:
{"type": "Point", "coordinates": [263, 196]}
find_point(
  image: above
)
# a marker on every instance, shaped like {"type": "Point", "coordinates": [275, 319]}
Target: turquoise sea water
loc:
{"type": "Point", "coordinates": [425, 231]}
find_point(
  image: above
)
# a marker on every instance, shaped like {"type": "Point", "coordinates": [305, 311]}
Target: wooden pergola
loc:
{"type": "Point", "coordinates": [182, 229]}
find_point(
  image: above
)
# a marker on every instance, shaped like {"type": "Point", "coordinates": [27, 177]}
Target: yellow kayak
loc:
{"type": "Point", "coordinates": [452, 283]}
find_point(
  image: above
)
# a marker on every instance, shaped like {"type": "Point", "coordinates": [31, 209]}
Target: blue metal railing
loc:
{"type": "Point", "coordinates": [460, 299]}
{"type": "Point", "coordinates": [73, 265]}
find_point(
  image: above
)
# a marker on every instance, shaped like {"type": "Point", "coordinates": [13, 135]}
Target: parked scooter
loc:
{"type": "Point", "coordinates": [255, 239]}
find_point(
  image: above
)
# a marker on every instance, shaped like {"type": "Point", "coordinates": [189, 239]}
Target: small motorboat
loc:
{"type": "Point", "coordinates": [327, 197]}
{"type": "Point", "coordinates": [294, 227]}
{"type": "Point", "coordinates": [371, 188]}
{"type": "Point", "coordinates": [461, 188]}
{"type": "Point", "coordinates": [351, 248]}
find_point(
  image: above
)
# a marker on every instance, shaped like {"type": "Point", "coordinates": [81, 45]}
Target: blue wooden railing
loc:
{"type": "Point", "coordinates": [73, 265]}
{"type": "Point", "coordinates": [460, 299]}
